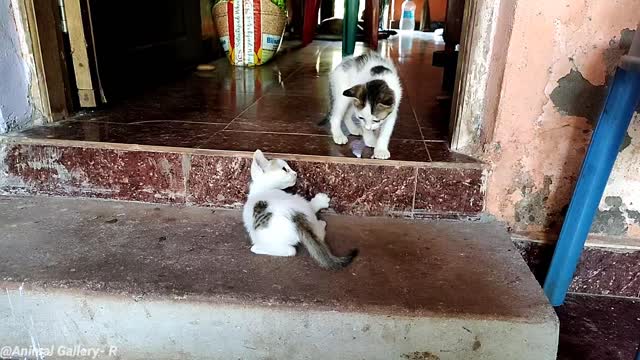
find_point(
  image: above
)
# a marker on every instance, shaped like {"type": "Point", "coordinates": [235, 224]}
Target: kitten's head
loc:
{"type": "Point", "coordinates": [273, 174]}
{"type": "Point", "coordinates": [373, 102]}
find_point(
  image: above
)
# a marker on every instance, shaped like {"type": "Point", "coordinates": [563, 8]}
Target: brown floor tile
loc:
{"type": "Point", "coordinates": [304, 83]}
{"type": "Point", "coordinates": [406, 126]}
{"type": "Point", "coordinates": [300, 114]}
{"type": "Point", "coordinates": [194, 99]}
{"type": "Point", "coordinates": [97, 173]}
{"type": "Point", "coordinates": [431, 134]}
{"type": "Point", "coordinates": [439, 152]}
{"type": "Point", "coordinates": [432, 115]}
{"type": "Point", "coordinates": [405, 150]}
{"type": "Point", "coordinates": [290, 114]}
{"type": "Point", "coordinates": [600, 271]}
{"type": "Point", "coordinates": [608, 273]}
{"type": "Point", "coordinates": [598, 328]}
{"type": "Point", "coordinates": [433, 118]}
{"type": "Point", "coordinates": [160, 133]}
{"type": "Point", "coordinates": [218, 181]}
{"type": "Point", "coordinates": [378, 190]}
{"type": "Point", "coordinates": [443, 190]}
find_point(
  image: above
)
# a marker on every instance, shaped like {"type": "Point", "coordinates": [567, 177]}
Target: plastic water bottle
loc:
{"type": "Point", "coordinates": [408, 20]}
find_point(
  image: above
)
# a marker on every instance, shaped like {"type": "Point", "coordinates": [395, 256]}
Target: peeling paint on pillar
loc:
{"type": "Point", "coordinates": [634, 215]}
{"type": "Point", "coordinates": [625, 143]}
{"type": "Point", "coordinates": [561, 55]}
{"type": "Point", "coordinates": [611, 221]}
{"type": "Point", "coordinates": [576, 96]}
{"type": "Point", "coordinates": [531, 209]}
{"type": "Point", "coordinates": [617, 48]}
{"type": "Point", "coordinates": [624, 183]}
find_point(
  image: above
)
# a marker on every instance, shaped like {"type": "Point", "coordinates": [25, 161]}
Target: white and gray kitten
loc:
{"type": "Point", "coordinates": [277, 221]}
{"type": "Point", "coordinates": [365, 95]}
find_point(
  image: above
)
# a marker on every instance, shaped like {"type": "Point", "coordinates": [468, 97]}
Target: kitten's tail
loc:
{"type": "Point", "coordinates": [317, 248]}
{"type": "Point", "coordinates": [324, 121]}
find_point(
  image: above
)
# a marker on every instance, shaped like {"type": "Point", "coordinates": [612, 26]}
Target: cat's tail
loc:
{"type": "Point", "coordinates": [317, 248]}
{"type": "Point", "coordinates": [324, 121]}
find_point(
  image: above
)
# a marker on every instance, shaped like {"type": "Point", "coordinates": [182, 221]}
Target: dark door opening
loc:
{"type": "Point", "coordinates": [138, 44]}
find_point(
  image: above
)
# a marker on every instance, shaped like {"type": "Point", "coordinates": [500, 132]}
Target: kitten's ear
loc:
{"type": "Point", "coordinates": [259, 164]}
{"type": "Point", "coordinates": [355, 92]}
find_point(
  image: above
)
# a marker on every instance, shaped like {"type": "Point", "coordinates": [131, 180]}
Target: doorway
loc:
{"type": "Point", "coordinates": [148, 82]}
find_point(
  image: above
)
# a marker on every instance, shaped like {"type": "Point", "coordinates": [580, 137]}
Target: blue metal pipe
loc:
{"type": "Point", "coordinates": [622, 100]}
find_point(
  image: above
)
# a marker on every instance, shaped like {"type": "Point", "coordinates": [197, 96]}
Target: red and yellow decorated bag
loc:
{"type": "Point", "coordinates": [250, 30]}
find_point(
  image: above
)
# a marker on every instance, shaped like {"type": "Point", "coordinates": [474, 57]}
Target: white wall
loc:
{"type": "Point", "coordinates": [16, 108]}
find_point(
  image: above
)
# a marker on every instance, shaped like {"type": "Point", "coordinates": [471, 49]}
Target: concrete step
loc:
{"type": "Point", "coordinates": [166, 282]}
{"type": "Point", "coordinates": [219, 178]}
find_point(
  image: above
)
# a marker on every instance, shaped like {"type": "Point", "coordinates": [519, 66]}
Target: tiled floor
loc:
{"type": "Point", "coordinates": [598, 328]}
{"type": "Point", "coordinates": [275, 107]}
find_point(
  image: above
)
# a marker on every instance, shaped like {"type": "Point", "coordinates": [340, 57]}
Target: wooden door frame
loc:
{"type": "Point", "coordinates": [41, 23]}
{"type": "Point", "coordinates": [486, 31]}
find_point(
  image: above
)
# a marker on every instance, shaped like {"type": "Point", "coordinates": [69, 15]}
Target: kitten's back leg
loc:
{"type": "Point", "coordinates": [321, 229]}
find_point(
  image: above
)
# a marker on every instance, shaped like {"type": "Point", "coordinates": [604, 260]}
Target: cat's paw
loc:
{"type": "Point", "coordinates": [381, 154]}
{"type": "Point", "coordinates": [320, 201]}
{"type": "Point", "coordinates": [256, 249]}
{"type": "Point", "coordinates": [340, 139]}
{"type": "Point", "coordinates": [289, 251]}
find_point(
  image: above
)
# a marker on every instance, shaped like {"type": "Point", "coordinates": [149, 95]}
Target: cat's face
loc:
{"type": "Point", "coordinates": [275, 173]}
{"type": "Point", "coordinates": [373, 102]}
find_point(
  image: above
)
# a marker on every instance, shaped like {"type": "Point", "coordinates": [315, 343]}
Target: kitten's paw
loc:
{"type": "Point", "coordinates": [340, 139]}
{"type": "Point", "coordinates": [381, 153]}
{"type": "Point", "coordinates": [290, 251]}
{"type": "Point", "coordinates": [320, 201]}
{"type": "Point", "coordinates": [274, 251]}
{"type": "Point", "coordinates": [259, 250]}
{"type": "Point", "coordinates": [355, 131]}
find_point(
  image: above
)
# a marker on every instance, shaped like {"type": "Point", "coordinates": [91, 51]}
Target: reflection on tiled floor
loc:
{"type": "Point", "coordinates": [275, 107]}
{"type": "Point", "coordinates": [598, 328]}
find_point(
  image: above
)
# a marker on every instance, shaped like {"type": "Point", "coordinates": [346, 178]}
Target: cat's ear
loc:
{"type": "Point", "coordinates": [356, 92]}
{"type": "Point", "coordinates": [386, 98]}
{"type": "Point", "coordinates": [259, 164]}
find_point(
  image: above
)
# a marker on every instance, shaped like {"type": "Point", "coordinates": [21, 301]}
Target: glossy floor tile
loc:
{"type": "Point", "coordinates": [275, 107]}
{"type": "Point", "coordinates": [598, 328]}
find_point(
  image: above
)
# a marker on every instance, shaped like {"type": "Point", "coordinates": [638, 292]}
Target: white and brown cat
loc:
{"type": "Point", "coordinates": [277, 221]}
{"type": "Point", "coordinates": [365, 95]}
